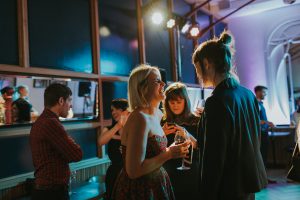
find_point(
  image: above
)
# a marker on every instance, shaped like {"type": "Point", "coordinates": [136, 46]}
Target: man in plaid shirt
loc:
{"type": "Point", "coordinates": [52, 148]}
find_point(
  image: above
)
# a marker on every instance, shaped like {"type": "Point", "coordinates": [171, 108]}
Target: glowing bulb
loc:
{"type": "Point", "coordinates": [171, 23]}
{"type": "Point", "coordinates": [104, 31]}
{"type": "Point", "coordinates": [157, 18]}
{"type": "Point", "coordinates": [194, 31]}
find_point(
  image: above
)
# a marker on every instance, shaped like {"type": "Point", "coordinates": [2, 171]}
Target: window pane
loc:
{"type": "Point", "coordinates": [118, 37]}
{"type": "Point", "coordinates": [8, 32]}
{"type": "Point", "coordinates": [187, 68]}
{"type": "Point", "coordinates": [157, 45]}
{"type": "Point", "coordinates": [26, 100]}
{"type": "Point", "coordinates": [219, 28]}
{"type": "Point", "coordinates": [110, 91]}
{"type": "Point", "coordinates": [60, 34]}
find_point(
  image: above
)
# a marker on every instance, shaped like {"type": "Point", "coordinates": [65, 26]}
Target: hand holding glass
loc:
{"type": "Point", "coordinates": [179, 138]}
{"type": "Point", "coordinates": [199, 107]}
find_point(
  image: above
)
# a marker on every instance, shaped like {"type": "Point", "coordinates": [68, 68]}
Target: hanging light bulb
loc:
{"type": "Point", "coordinates": [194, 31]}
{"type": "Point", "coordinates": [157, 18]}
{"type": "Point", "coordinates": [171, 23]}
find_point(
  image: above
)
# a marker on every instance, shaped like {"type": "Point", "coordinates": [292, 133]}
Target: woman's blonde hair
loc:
{"type": "Point", "coordinates": [138, 86]}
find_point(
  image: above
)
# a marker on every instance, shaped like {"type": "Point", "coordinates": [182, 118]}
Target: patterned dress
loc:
{"type": "Point", "coordinates": [152, 186]}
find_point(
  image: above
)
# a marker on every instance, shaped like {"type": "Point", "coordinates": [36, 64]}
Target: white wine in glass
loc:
{"type": "Point", "coordinates": [179, 139]}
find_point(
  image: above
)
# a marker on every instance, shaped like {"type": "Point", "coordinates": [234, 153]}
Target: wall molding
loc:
{"type": "Point", "coordinates": [15, 180]}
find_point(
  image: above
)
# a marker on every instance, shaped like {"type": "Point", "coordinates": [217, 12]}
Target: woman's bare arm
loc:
{"type": "Point", "coordinates": [136, 143]}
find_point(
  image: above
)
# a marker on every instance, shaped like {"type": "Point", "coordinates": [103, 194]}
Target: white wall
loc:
{"type": "Point", "coordinates": [251, 34]}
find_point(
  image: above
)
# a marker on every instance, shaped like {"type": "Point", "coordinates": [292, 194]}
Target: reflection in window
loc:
{"type": "Point", "coordinates": [22, 101]}
{"type": "Point", "coordinates": [118, 37]}
{"type": "Point", "coordinates": [9, 33]}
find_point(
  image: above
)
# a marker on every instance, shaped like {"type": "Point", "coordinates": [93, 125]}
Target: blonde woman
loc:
{"type": "Point", "coordinates": [144, 144]}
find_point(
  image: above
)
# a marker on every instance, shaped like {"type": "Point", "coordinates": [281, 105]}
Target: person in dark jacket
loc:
{"type": "Point", "coordinates": [231, 165]}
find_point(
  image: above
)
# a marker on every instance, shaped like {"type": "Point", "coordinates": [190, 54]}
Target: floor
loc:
{"type": "Point", "coordinates": [282, 190]}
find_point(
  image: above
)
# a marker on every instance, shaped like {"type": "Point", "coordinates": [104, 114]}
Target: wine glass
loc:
{"type": "Point", "coordinates": [179, 139]}
{"type": "Point", "coordinates": [71, 180]}
{"type": "Point", "coordinates": [199, 107]}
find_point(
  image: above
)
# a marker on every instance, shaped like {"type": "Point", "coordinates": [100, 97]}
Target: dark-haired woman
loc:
{"type": "Point", "coordinates": [178, 117]}
{"type": "Point", "coordinates": [112, 136]}
{"type": "Point", "coordinates": [231, 165]}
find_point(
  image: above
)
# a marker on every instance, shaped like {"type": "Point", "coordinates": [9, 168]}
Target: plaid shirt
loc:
{"type": "Point", "coordinates": [52, 149]}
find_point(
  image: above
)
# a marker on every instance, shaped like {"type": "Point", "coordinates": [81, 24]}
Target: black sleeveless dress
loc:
{"type": "Point", "coordinates": [114, 169]}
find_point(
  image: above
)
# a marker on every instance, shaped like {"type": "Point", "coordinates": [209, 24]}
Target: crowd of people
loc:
{"type": "Point", "coordinates": [221, 157]}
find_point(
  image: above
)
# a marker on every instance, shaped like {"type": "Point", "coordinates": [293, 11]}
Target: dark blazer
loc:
{"type": "Point", "coordinates": [229, 135]}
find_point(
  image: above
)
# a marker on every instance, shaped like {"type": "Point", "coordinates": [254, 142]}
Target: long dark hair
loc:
{"type": "Point", "coordinates": [173, 92]}
{"type": "Point", "coordinates": [119, 104]}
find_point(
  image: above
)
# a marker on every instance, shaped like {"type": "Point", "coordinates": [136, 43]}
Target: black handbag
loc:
{"type": "Point", "coordinates": [294, 172]}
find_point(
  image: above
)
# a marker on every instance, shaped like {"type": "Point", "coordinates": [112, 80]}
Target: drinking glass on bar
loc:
{"type": "Point", "coordinates": [71, 182]}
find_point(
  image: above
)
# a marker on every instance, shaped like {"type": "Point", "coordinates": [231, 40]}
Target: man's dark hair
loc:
{"type": "Point", "coordinates": [53, 92]}
{"type": "Point", "coordinates": [8, 90]}
{"type": "Point", "coordinates": [260, 88]}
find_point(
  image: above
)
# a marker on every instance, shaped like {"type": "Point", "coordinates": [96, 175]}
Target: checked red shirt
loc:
{"type": "Point", "coordinates": [52, 150]}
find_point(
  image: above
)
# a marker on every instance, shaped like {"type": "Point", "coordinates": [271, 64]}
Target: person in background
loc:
{"type": "Point", "coordinates": [22, 109]}
{"type": "Point", "coordinates": [7, 94]}
{"type": "Point", "coordinates": [112, 136]}
{"type": "Point", "coordinates": [261, 93]}
{"type": "Point", "coordinates": [52, 148]}
{"type": "Point", "coordinates": [295, 118]}
{"type": "Point", "coordinates": [178, 117]}
{"type": "Point", "coordinates": [231, 166]}
{"type": "Point", "coordinates": [298, 135]}
{"type": "Point", "coordinates": [2, 110]}
{"type": "Point", "coordinates": [144, 144]}
{"type": "Point", "coordinates": [296, 114]}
